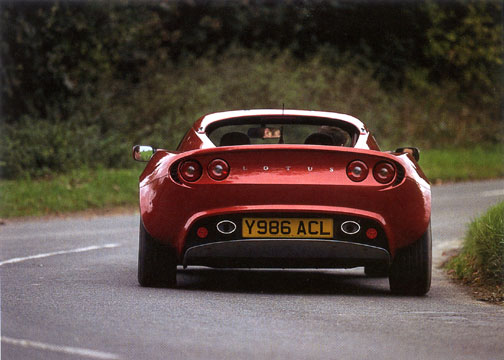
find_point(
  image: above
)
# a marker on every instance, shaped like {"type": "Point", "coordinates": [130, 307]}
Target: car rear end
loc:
{"type": "Point", "coordinates": [286, 206]}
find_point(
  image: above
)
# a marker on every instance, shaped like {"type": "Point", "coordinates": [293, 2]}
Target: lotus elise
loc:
{"type": "Point", "coordinates": [284, 189]}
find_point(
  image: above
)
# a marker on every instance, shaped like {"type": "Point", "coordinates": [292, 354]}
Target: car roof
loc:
{"type": "Point", "coordinates": [201, 125]}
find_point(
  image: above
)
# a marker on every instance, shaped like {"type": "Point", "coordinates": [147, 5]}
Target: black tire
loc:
{"type": "Point", "coordinates": [157, 263]}
{"type": "Point", "coordinates": [410, 273]}
{"type": "Point", "coordinates": [377, 271]}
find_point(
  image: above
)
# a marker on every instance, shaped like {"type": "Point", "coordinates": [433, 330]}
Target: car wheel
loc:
{"type": "Point", "coordinates": [377, 271]}
{"type": "Point", "coordinates": [410, 273]}
{"type": "Point", "coordinates": [157, 263]}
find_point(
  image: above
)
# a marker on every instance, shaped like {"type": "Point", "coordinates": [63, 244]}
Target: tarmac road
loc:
{"type": "Point", "coordinates": [69, 291]}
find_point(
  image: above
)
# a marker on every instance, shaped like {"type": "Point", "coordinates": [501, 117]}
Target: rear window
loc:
{"type": "Point", "coordinates": [261, 131]}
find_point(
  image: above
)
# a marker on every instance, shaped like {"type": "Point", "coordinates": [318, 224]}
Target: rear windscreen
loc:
{"type": "Point", "coordinates": [260, 131]}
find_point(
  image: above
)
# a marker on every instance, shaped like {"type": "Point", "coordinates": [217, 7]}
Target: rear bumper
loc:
{"type": "Point", "coordinates": [280, 253]}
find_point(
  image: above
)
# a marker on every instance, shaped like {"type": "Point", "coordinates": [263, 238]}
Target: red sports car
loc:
{"type": "Point", "coordinates": [284, 189]}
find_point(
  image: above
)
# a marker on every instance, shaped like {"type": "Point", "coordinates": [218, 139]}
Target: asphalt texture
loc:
{"type": "Point", "coordinates": [69, 291]}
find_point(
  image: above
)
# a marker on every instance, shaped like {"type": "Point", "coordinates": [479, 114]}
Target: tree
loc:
{"type": "Point", "coordinates": [465, 45]}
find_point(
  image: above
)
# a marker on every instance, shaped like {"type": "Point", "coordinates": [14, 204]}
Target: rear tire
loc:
{"type": "Point", "coordinates": [410, 273]}
{"type": "Point", "coordinates": [157, 263]}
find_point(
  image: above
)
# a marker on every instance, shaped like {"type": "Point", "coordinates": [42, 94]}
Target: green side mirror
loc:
{"type": "Point", "coordinates": [142, 152]}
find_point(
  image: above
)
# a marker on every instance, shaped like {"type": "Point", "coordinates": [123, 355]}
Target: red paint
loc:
{"type": "Point", "coordinates": [283, 179]}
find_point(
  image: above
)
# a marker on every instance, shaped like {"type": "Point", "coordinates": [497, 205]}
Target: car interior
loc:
{"type": "Point", "coordinates": [260, 132]}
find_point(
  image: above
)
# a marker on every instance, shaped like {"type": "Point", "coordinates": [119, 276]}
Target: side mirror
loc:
{"type": "Point", "coordinates": [413, 151]}
{"type": "Point", "coordinates": [143, 153]}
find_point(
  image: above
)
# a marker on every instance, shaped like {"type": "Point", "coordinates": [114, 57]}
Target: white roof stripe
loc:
{"type": "Point", "coordinates": [289, 112]}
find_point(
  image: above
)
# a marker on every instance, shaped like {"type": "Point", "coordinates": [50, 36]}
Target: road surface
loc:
{"type": "Point", "coordinates": [69, 291]}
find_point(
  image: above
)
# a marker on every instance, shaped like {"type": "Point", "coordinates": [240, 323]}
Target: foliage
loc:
{"type": "Point", "coordinates": [82, 81]}
{"type": "Point", "coordinates": [160, 108]}
{"type": "Point", "coordinates": [57, 51]}
{"type": "Point", "coordinates": [482, 256]}
{"type": "Point", "coordinates": [38, 147]}
{"type": "Point", "coordinates": [53, 53]}
{"type": "Point", "coordinates": [465, 42]}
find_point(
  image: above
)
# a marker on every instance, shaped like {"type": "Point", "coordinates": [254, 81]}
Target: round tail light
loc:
{"type": "Point", "coordinates": [357, 171]}
{"type": "Point", "coordinates": [190, 170]}
{"type": "Point", "coordinates": [384, 172]}
{"type": "Point", "coordinates": [218, 169]}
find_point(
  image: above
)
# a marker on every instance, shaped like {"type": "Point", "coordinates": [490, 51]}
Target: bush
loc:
{"type": "Point", "coordinates": [482, 256]}
{"type": "Point", "coordinates": [38, 147]}
{"type": "Point", "coordinates": [167, 100]}
{"type": "Point", "coordinates": [159, 109]}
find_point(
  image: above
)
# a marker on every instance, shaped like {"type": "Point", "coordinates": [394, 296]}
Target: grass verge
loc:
{"type": "Point", "coordinates": [478, 163]}
{"type": "Point", "coordinates": [86, 189]}
{"type": "Point", "coordinates": [481, 261]}
{"type": "Point", "coordinates": [78, 190]}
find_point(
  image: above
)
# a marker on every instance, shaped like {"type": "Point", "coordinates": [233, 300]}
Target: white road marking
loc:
{"type": "Point", "coordinates": [67, 233]}
{"type": "Point", "coordinates": [490, 193]}
{"type": "Point", "coordinates": [39, 256]}
{"type": "Point", "coordinates": [60, 349]}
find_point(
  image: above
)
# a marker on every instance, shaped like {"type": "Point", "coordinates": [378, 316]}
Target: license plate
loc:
{"type": "Point", "coordinates": [287, 228]}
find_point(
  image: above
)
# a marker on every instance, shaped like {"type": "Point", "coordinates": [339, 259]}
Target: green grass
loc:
{"type": "Point", "coordinates": [481, 261]}
{"type": "Point", "coordinates": [463, 164]}
{"type": "Point", "coordinates": [78, 190]}
{"type": "Point", "coordinates": [108, 188]}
